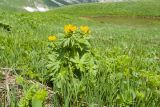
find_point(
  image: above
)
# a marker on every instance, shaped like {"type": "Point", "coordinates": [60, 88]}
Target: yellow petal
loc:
{"type": "Point", "coordinates": [52, 38]}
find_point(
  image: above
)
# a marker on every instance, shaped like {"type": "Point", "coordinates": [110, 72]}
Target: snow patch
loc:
{"type": "Point", "coordinates": [59, 4]}
{"type": "Point", "coordinates": [38, 8]}
{"type": "Point", "coordinates": [30, 9]}
{"type": "Point", "coordinates": [42, 9]}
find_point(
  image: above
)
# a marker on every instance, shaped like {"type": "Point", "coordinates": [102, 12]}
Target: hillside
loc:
{"type": "Point", "coordinates": [81, 55]}
{"type": "Point", "coordinates": [39, 5]}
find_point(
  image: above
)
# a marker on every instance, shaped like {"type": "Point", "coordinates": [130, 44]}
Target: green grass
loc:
{"type": "Point", "coordinates": [129, 73]}
{"type": "Point", "coordinates": [141, 8]}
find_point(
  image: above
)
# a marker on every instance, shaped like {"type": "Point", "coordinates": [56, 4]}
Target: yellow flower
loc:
{"type": "Point", "coordinates": [70, 28]}
{"type": "Point", "coordinates": [85, 29]}
{"type": "Point", "coordinates": [52, 38]}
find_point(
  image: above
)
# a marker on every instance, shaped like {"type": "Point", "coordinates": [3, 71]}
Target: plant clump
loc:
{"type": "Point", "coordinates": [71, 60]}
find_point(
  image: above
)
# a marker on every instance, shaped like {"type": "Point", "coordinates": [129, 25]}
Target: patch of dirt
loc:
{"type": "Point", "coordinates": [8, 84]}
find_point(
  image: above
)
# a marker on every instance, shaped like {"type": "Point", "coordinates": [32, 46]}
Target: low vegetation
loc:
{"type": "Point", "coordinates": [94, 61]}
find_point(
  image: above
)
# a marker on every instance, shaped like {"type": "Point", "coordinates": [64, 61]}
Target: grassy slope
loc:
{"type": "Point", "coordinates": [37, 26]}
{"type": "Point", "coordinates": [150, 8]}
{"type": "Point", "coordinates": [132, 47]}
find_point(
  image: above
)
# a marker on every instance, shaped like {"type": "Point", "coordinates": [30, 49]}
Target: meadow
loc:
{"type": "Point", "coordinates": [125, 41]}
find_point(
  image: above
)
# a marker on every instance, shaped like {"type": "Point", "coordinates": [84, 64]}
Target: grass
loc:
{"type": "Point", "coordinates": [141, 8]}
{"type": "Point", "coordinates": [129, 61]}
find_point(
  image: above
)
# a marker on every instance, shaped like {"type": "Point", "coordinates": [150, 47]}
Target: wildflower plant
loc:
{"type": "Point", "coordinates": [71, 58]}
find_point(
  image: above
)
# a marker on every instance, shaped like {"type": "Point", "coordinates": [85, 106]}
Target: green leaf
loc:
{"type": "Point", "coordinates": [37, 103]}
